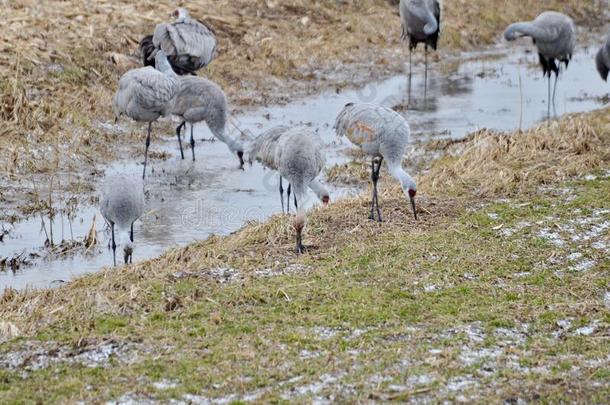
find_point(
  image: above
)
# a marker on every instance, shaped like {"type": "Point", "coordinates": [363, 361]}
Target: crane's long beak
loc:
{"type": "Point", "coordinates": [413, 205]}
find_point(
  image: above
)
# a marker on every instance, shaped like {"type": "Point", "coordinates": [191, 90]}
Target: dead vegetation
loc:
{"type": "Point", "coordinates": [60, 61]}
{"type": "Point", "coordinates": [491, 163]}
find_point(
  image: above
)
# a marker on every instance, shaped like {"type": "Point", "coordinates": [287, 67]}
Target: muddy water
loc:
{"type": "Point", "coordinates": [188, 201]}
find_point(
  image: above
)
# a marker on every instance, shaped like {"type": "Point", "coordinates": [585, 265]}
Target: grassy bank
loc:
{"type": "Point", "coordinates": [61, 62]}
{"type": "Point", "coordinates": [499, 292]}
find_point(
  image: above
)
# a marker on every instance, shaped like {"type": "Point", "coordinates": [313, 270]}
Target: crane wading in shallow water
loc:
{"type": "Point", "coordinates": [554, 35]}
{"type": "Point", "coordinates": [189, 44]}
{"type": "Point", "coordinates": [199, 100]}
{"type": "Point", "coordinates": [421, 22]}
{"type": "Point", "coordinates": [602, 59]}
{"type": "Point", "coordinates": [381, 133]}
{"type": "Point", "coordinates": [145, 94]}
{"type": "Point", "coordinates": [121, 204]}
{"type": "Point", "coordinates": [263, 149]}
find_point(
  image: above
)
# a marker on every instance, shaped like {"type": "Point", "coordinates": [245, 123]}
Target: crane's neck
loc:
{"type": "Point", "coordinates": [319, 189]}
{"type": "Point", "coordinates": [406, 181]}
{"type": "Point", "coordinates": [234, 143]}
{"type": "Point", "coordinates": [163, 65]}
{"type": "Point", "coordinates": [527, 29]}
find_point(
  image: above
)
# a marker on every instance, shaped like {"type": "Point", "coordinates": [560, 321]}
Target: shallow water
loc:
{"type": "Point", "coordinates": [189, 201]}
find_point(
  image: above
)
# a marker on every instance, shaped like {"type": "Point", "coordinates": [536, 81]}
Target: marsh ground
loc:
{"type": "Point", "coordinates": [498, 293]}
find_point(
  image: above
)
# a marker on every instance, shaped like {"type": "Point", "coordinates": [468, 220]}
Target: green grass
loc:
{"type": "Point", "coordinates": [365, 324]}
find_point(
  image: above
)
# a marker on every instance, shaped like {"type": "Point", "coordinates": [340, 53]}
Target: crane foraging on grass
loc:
{"type": "Point", "coordinates": [263, 149]}
{"type": "Point", "coordinates": [145, 94]}
{"type": "Point", "coordinates": [554, 35]}
{"type": "Point", "coordinates": [121, 204]}
{"type": "Point", "coordinates": [189, 44]}
{"type": "Point", "coordinates": [199, 100]}
{"type": "Point", "coordinates": [382, 134]}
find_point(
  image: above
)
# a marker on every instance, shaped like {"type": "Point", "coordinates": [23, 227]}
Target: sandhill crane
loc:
{"type": "Point", "coordinates": [421, 21]}
{"type": "Point", "coordinates": [300, 158]}
{"type": "Point", "coordinates": [382, 134]}
{"type": "Point", "coordinates": [189, 44]}
{"type": "Point", "coordinates": [145, 94]}
{"type": "Point", "coordinates": [121, 204]}
{"type": "Point", "coordinates": [199, 100]}
{"type": "Point", "coordinates": [263, 149]}
{"type": "Point", "coordinates": [554, 35]}
{"type": "Point", "coordinates": [602, 60]}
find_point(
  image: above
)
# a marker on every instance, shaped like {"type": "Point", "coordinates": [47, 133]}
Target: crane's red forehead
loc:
{"type": "Point", "coordinates": [412, 193]}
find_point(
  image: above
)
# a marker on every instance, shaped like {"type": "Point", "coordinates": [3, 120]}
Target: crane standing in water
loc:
{"type": "Point", "coordinates": [121, 204]}
{"type": "Point", "coordinates": [199, 100]}
{"type": "Point", "coordinates": [145, 94]}
{"type": "Point", "coordinates": [554, 35]}
{"type": "Point", "coordinates": [421, 21]}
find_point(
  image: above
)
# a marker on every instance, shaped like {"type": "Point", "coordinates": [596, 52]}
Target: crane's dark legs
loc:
{"type": "Point", "coordinates": [296, 204]}
{"type": "Point", "coordinates": [192, 143]}
{"type": "Point", "coordinates": [555, 90]}
{"type": "Point", "coordinates": [549, 99]}
{"type": "Point", "coordinates": [131, 234]}
{"type": "Point", "coordinates": [375, 200]}
{"type": "Point", "coordinates": [282, 194]}
{"type": "Point", "coordinates": [288, 198]}
{"type": "Point", "coordinates": [113, 244]}
{"type": "Point", "coordinates": [300, 247]}
{"type": "Point", "coordinates": [426, 73]}
{"type": "Point", "coordinates": [410, 73]}
{"type": "Point", "coordinates": [178, 129]}
{"type": "Point", "coordinates": [146, 150]}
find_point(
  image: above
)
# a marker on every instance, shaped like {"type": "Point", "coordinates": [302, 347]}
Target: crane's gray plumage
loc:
{"type": "Point", "coordinates": [145, 94]}
{"type": "Point", "coordinates": [189, 44]}
{"type": "Point", "coordinates": [200, 100]}
{"type": "Point", "coordinates": [554, 35]}
{"type": "Point", "coordinates": [121, 204]}
{"type": "Point", "coordinates": [381, 133]}
{"type": "Point", "coordinates": [602, 59]}
{"type": "Point", "coordinates": [420, 21]}
{"type": "Point", "coordinates": [300, 158]}
{"type": "Point", "coordinates": [264, 148]}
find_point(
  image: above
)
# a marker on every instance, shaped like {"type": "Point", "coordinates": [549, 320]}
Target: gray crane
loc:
{"type": "Point", "coordinates": [602, 59]}
{"type": "Point", "coordinates": [190, 44]}
{"type": "Point", "coordinates": [554, 35]}
{"type": "Point", "coordinates": [381, 133]}
{"type": "Point", "coordinates": [145, 94]}
{"type": "Point", "coordinates": [300, 158]}
{"type": "Point", "coordinates": [121, 204]}
{"type": "Point", "coordinates": [263, 149]}
{"type": "Point", "coordinates": [421, 21]}
{"type": "Point", "coordinates": [200, 100]}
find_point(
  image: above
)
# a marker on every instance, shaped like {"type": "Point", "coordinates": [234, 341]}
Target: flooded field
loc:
{"type": "Point", "coordinates": [189, 201]}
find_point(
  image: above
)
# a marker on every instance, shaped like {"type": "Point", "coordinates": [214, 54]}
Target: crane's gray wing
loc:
{"type": "Point", "coordinates": [360, 123]}
{"type": "Point", "coordinates": [188, 37]}
{"type": "Point", "coordinates": [148, 89]}
{"type": "Point", "coordinates": [263, 147]}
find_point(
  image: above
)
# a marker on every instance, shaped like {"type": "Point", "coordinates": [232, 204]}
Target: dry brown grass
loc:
{"type": "Point", "coordinates": [472, 23]}
{"type": "Point", "coordinates": [60, 60]}
{"type": "Point", "coordinates": [491, 163]}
